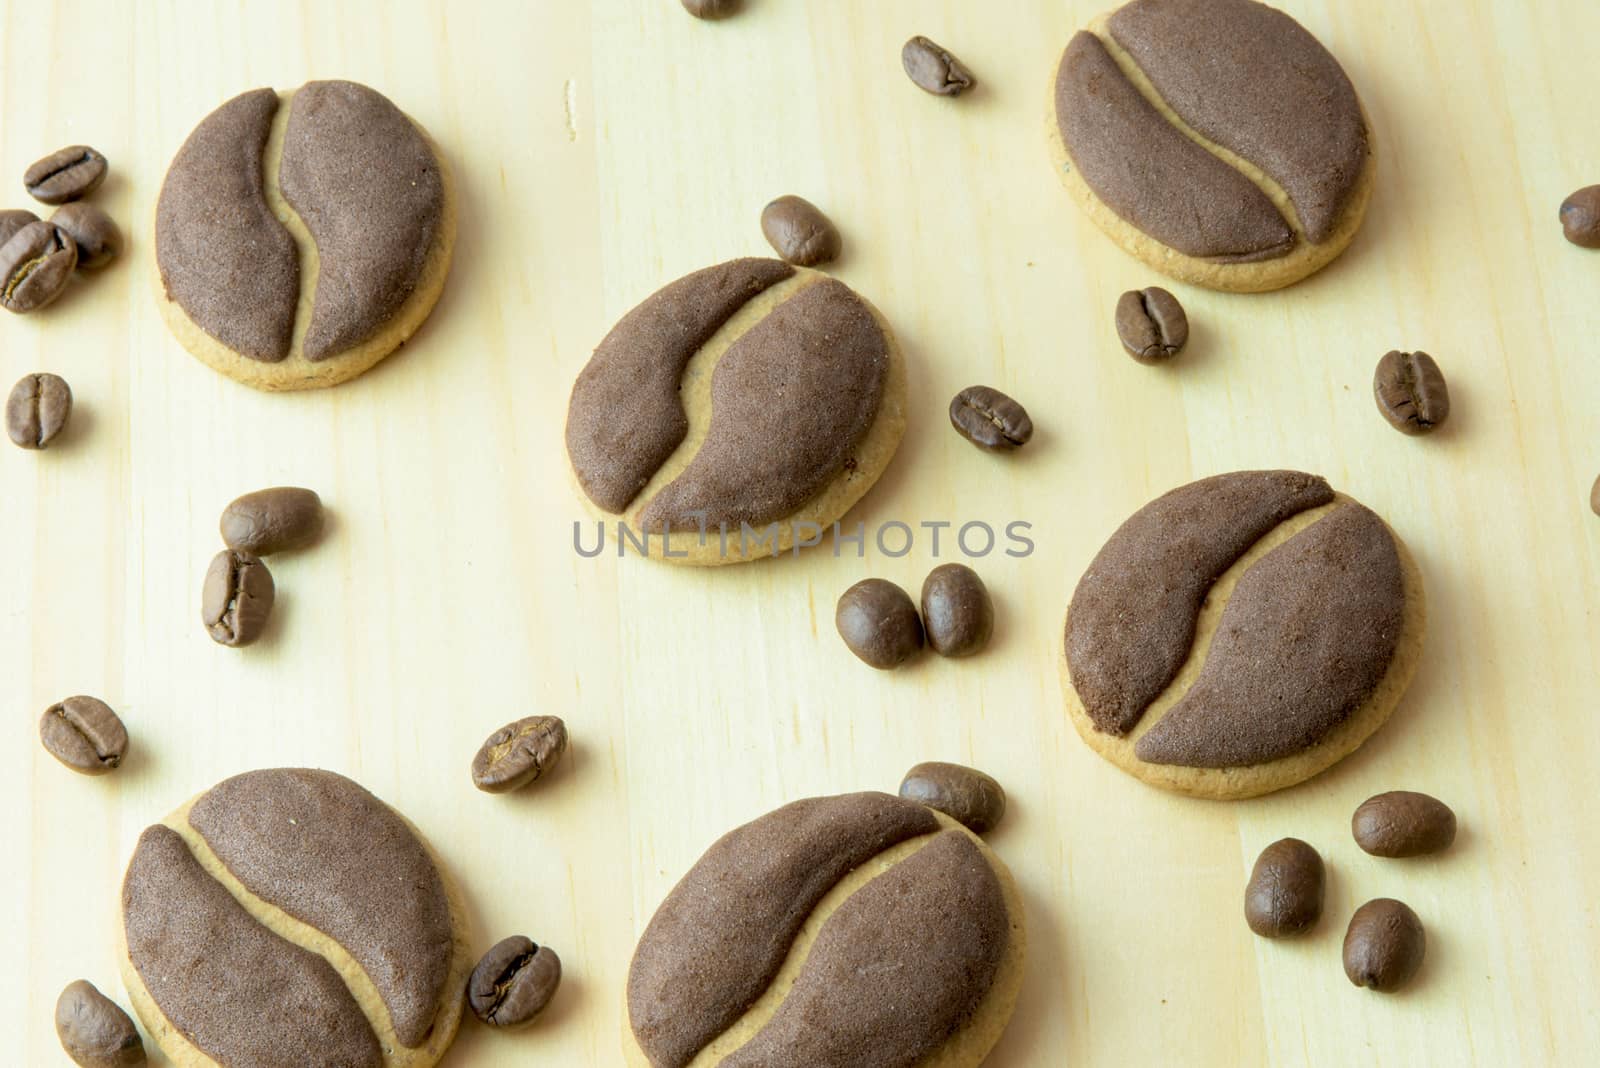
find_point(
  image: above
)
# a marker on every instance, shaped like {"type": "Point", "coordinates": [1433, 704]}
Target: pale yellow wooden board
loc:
{"type": "Point", "coordinates": [606, 148]}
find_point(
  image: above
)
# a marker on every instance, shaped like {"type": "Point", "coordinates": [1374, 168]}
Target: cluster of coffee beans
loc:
{"type": "Point", "coordinates": [880, 624]}
{"type": "Point", "coordinates": [38, 256]}
{"type": "Point", "coordinates": [237, 594]}
{"type": "Point", "coordinates": [1385, 943]}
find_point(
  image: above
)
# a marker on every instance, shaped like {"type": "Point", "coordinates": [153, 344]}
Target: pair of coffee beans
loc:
{"type": "Point", "coordinates": [965, 794]}
{"type": "Point", "coordinates": [513, 983]}
{"type": "Point", "coordinates": [799, 232]}
{"type": "Point", "coordinates": [881, 626]}
{"type": "Point", "coordinates": [37, 410]}
{"type": "Point", "coordinates": [238, 592]}
{"type": "Point", "coordinates": [1385, 943]}
{"type": "Point", "coordinates": [934, 69]}
{"type": "Point", "coordinates": [94, 1031]}
{"type": "Point", "coordinates": [84, 734]}
{"type": "Point", "coordinates": [38, 257]}
{"type": "Point", "coordinates": [519, 753]}
{"type": "Point", "coordinates": [990, 420]}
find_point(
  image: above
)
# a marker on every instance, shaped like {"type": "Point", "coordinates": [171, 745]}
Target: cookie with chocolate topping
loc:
{"type": "Point", "coordinates": [859, 931]}
{"type": "Point", "coordinates": [738, 410]}
{"type": "Point", "coordinates": [301, 237]}
{"type": "Point", "coordinates": [1241, 634]}
{"type": "Point", "coordinates": [1216, 140]}
{"type": "Point", "coordinates": [288, 917]}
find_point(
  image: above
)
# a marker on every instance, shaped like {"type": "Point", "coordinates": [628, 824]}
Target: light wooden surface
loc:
{"type": "Point", "coordinates": [605, 148]}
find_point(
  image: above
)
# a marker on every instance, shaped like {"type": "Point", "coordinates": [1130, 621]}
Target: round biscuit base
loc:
{"type": "Point", "coordinates": [295, 372]}
{"type": "Point", "coordinates": [967, 1048]}
{"type": "Point", "coordinates": [185, 1054]}
{"type": "Point", "coordinates": [687, 548]}
{"type": "Point", "coordinates": [1303, 261]}
{"type": "Point", "coordinates": [1232, 784]}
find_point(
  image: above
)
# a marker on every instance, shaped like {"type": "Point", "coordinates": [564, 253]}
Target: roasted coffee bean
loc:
{"type": "Point", "coordinates": [1402, 823]}
{"type": "Point", "coordinates": [92, 230]}
{"type": "Point", "coordinates": [957, 614]}
{"type": "Point", "coordinates": [879, 623]}
{"type": "Point", "coordinates": [236, 598]}
{"type": "Point", "coordinates": [84, 734]}
{"type": "Point", "coordinates": [35, 267]}
{"type": "Point", "coordinates": [513, 983]}
{"type": "Point", "coordinates": [1384, 946]}
{"type": "Point", "coordinates": [966, 795]}
{"type": "Point", "coordinates": [14, 219]}
{"type": "Point", "coordinates": [1151, 324]}
{"type": "Point", "coordinates": [1411, 392]}
{"type": "Point", "coordinates": [38, 409]}
{"type": "Point", "coordinates": [272, 520]}
{"type": "Point", "coordinates": [1284, 894]}
{"type": "Point", "coordinates": [934, 69]}
{"type": "Point", "coordinates": [712, 9]}
{"type": "Point", "coordinates": [66, 174]}
{"type": "Point", "coordinates": [94, 1030]}
{"type": "Point", "coordinates": [1594, 496]}
{"type": "Point", "coordinates": [990, 419]}
{"type": "Point", "coordinates": [1580, 217]}
{"type": "Point", "coordinates": [799, 232]}
{"type": "Point", "coordinates": [519, 753]}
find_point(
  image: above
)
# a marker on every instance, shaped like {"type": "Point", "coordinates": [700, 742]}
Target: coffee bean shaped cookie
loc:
{"type": "Point", "coordinates": [739, 410]}
{"type": "Point", "coordinates": [288, 917]}
{"type": "Point", "coordinates": [1242, 633]}
{"type": "Point", "coordinates": [1216, 140]}
{"type": "Point", "coordinates": [302, 237]}
{"type": "Point", "coordinates": [860, 931]}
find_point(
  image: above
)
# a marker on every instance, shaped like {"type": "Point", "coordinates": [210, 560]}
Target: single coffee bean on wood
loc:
{"type": "Point", "coordinates": [1594, 496]}
{"type": "Point", "coordinates": [38, 409]}
{"type": "Point", "coordinates": [12, 220]}
{"type": "Point", "coordinates": [519, 753]}
{"type": "Point", "coordinates": [1403, 823]}
{"type": "Point", "coordinates": [94, 1030]}
{"type": "Point", "coordinates": [35, 266]}
{"type": "Point", "coordinates": [1284, 895]}
{"type": "Point", "coordinates": [711, 9]}
{"type": "Point", "coordinates": [66, 174]}
{"type": "Point", "coordinates": [1411, 392]}
{"type": "Point", "coordinates": [799, 232]}
{"type": "Point", "coordinates": [879, 623]}
{"type": "Point", "coordinates": [957, 614]}
{"type": "Point", "coordinates": [272, 520]}
{"type": "Point", "coordinates": [934, 69]}
{"type": "Point", "coordinates": [1580, 217]}
{"type": "Point", "coordinates": [84, 734]}
{"type": "Point", "coordinates": [236, 598]}
{"type": "Point", "coordinates": [1151, 324]}
{"type": "Point", "coordinates": [92, 230]}
{"type": "Point", "coordinates": [1384, 947]}
{"type": "Point", "coordinates": [990, 419]}
{"type": "Point", "coordinates": [966, 795]}
{"type": "Point", "coordinates": [513, 983]}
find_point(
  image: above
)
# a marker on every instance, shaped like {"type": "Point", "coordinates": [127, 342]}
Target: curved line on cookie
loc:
{"type": "Point", "coordinates": [355, 978]}
{"type": "Point", "coordinates": [966, 1047]}
{"type": "Point", "coordinates": [283, 211]}
{"type": "Point", "coordinates": [1099, 26]}
{"type": "Point", "coordinates": [1233, 783]}
{"type": "Point", "coordinates": [835, 499]}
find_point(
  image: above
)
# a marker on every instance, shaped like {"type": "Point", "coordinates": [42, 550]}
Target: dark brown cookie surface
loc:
{"type": "Point", "coordinates": [224, 257]}
{"type": "Point", "coordinates": [1132, 618]}
{"type": "Point", "coordinates": [328, 853]}
{"type": "Point", "coordinates": [366, 182]}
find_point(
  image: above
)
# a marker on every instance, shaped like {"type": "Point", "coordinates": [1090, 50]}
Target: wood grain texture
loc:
{"type": "Point", "coordinates": [606, 148]}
